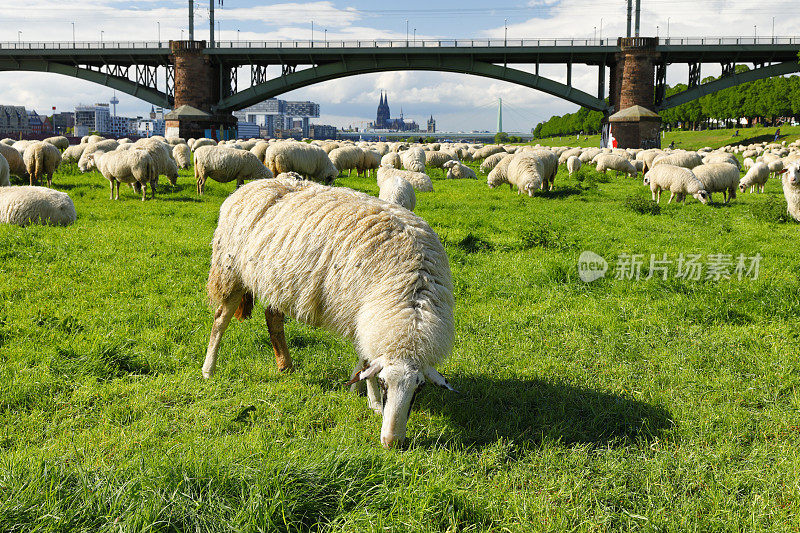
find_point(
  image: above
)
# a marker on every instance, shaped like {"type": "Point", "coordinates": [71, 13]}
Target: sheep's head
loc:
{"type": "Point", "coordinates": [646, 180]}
{"type": "Point", "coordinates": [399, 382]}
{"type": "Point", "coordinates": [449, 164]}
{"type": "Point", "coordinates": [701, 195]}
{"type": "Point", "coordinates": [743, 184]}
{"type": "Point", "coordinates": [793, 175]}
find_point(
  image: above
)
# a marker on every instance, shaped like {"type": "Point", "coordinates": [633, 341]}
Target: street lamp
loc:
{"type": "Point", "coordinates": [505, 32]}
{"type": "Point", "coordinates": [73, 34]}
{"type": "Point", "coordinates": [237, 37]}
{"type": "Point", "coordinates": [101, 36]}
{"type": "Point", "coordinates": [406, 32]}
{"type": "Point", "coordinates": [595, 32]}
{"type": "Point", "coordinates": [755, 34]}
{"type": "Point", "coordinates": [326, 37]}
{"type": "Point", "coordinates": [656, 31]}
{"type": "Point", "coordinates": [159, 32]}
{"type": "Point", "coordinates": [219, 30]}
{"type": "Point", "coordinates": [668, 27]}
{"type": "Point", "coordinates": [415, 36]}
{"type": "Point", "coordinates": [19, 36]}
{"type": "Point", "coordinates": [312, 33]}
{"type": "Point", "coordinates": [181, 35]}
{"type": "Point", "coordinates": [601, 30]}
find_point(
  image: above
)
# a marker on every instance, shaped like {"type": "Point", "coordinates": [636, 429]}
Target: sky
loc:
{"type": "Point", "coordinates": [458, 102]}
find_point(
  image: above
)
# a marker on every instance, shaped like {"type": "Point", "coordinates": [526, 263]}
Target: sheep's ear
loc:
{"type": "Point", "coordinates": [782, 171]}
{"type": "Point", "coordinates": [437, 379]}
{"type": "Point", "coordinates": [371, 370]}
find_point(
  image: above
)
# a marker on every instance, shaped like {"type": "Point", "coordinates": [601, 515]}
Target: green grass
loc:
{"type": "Point", "coordinates": [693, 140]}
{"type": "Point", "coordinates": [619, 405]}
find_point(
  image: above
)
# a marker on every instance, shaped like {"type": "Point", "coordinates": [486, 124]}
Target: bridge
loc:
{"type": "Point", "coordinates": [175, 73]}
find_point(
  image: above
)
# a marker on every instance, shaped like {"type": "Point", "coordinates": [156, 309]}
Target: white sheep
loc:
{"type": "Point", "coordinates": [16, 164]}
{"type": "Point", "coordinates": [436, 159]}
{"type": "Point", "coordinates": [533, 170]}
{"type": "Point", "coordinates": [59, 141]}
{"type": "Point", "coordinates": [161, 153]}
{"type": "Point", "coordinates": [791, 190]}
{"type": "Point", "coordinates": [398, 191]}
{"type": "Point", "coordinates": [458, 170]}
{"type": "Point", "coordinates": [413, 159]}
{"type": "Point", "coordinates": [203, 141]}
{"type": "Point", "coordinates": [775, 167]}
{"type": "Point", "coordinates": [679, 159]}
{"type": "Point", "coordinates": [756, 177]}
{"type": "Point", "coordinates": [391, 159]}
{"type": "Point", "coordinates": [368, 270]}
{"type": "Point", "coordinates": [486, 151]}
{"type": "Point", "coordinates": [25, 205]}
{"type": "Point", "coordinates": [41, 159]}
{"type": "Point", "coordinates": [718, 177]}
{"type": "Point", "coordinates": [677, 180]}
{"type": "Point", "coordinates": [73, 153]}
{"type": "Point", "coordinates": [128, 166]}
{"type": "Point", "coordinates": [182, 155]}
{"type": "Point", "coordinates": [499, 173]}
{"type": "Point", "coordinates": [305, 159]}
{"type": "Point", "coordinates": [490, 162]}
{"type": "Point", "coordinates": [260, 150]}
{"type": "Point", "coordinates": [347, 158]}
{"type": "Point", "coordinates": [225, 164]}
{"type": "Point", "coordinates": [573, 164]}
{"type": "Point", "coordinates": [418, 180]}
{"type": "Point", "coordinates": [5, 172]}
{"type": "Point", "coordinates": [371, 162]}
{"type": "Point", "coordinates": [615, 162]}
{"type": "Point", "coordinates": [566, 154]}
{"type": "Point", "coordinates": [85, 163]}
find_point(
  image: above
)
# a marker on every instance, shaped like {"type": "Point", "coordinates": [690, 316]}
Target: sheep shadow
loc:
{"type": "Point", "coordinates": [560, 192]}
{"type": "Point", "coordinates": [532, 411]}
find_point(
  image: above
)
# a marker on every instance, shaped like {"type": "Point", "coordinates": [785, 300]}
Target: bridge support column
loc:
{"type": "Point", "coordinates": [197, 82]}
{"type": "Point", "coordinates": [632, 84]}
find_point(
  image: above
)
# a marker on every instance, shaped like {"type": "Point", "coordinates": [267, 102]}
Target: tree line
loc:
{"type": "Point", "coordinates": [763, 101]}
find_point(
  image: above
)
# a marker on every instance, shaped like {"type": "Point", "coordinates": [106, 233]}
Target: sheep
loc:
{"type": "Point", "coordinates": [21, 146]}
{"type": "Point", "coordinates": [486, 151]}
{"type": "Point", "coordinates": [678, 180]}
{"type": "Point", "coordinates": [182, 155]}
{"type": "Point", "coordinates": [437, 159]}
{"type": "Point", "coordinates": [128, 166]}
{"type": "Point", "coordinates": [224, 165]}
{"type": "Point", "coordinates": [756, 177]}
{"type": "Point", "coordinates": [305, 159]}
{"type": "Point", "coordinates": [161, 153]}
{"type": "Point", "coordinates": [587, 155]}
{"type": "Point", "coordinates": [490, 162]}
{"type": "Point", "coordinates": [8, 142]}
{"type": "Point", "coordinates": [370, 162]}
{"type": "Point", "coordinates": [718, 177]}
{"type": "Point", "coordinates": [398, 191]}
{"type": "Point", "coordinates": [85, 163]}
{"type": "Point", "coordinates": [573, 164]}
{"type": "Point", "coordinates": [566, 154]}
{"type": "Point", "coordinates": [174, 141]}
{"type": "Point", "coordinates": [16, 164]}
{"type": "Point", "coordinates": [25, 205]}
{"type": "Point", "coordinates": [719, 157]}
{"type": "Point", "coordinates": [260, 151]}
{"type": "Point", "coordinates": [748, 163]}
{"type": "Point", "coordinates": [615, 162]}
{"type": "Point", "coordinates": [533, 170]}
{"type": "Point", "coordinates": [775, 167]}
{"type": "Point", "coordinates": [41, 159]}
{"type": "Point", "coordinates": [60, 142]}
{"type": "Point", "coordinates": [499, 173]}
{"type": "Point", "coordinates": [418, 180]}
{"type": "Point", "coordinates": [92, 139]}
{"type": "Point", "coordinates": [391, 159]}
{"type": "Point", "coordinates": [366, 269]}
{"type": "Point", "coordinates": [679, 159]}
{"type": "Point", "coordinates": [458, 170]}
{"type": "Point", "coordinates": [73, 153]}
{"type": "Point", "coordinates": [5, 172]}
{"type": "Point", "coordinates": [204, 141]}
{"type": "Point", "coordinates": [413, 159]}
{"type": "Point", "coordinates": [791, 190]}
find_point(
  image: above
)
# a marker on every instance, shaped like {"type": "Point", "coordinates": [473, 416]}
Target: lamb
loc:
{"type": "Point", "coordinates": [128, 166]}
{"type": "Point", "coordinates": [437, 159]}
{"type": "Point", "coordinates": [490, 162]}
{"type": "Point", "coordinates": [16, 164]}
{"type": "Point", "coordinates": [368, 270]}
{"type": "Point", "coordinates": [398, 191]}
{"type": "Point", "coordinates": [679, 159]}
{"type": "Point", "coordinates": [718, 177]}
{"type": "Point", "coordinates": [226, 164]}
{"type": "Point", "coordinates": [677, 180]}
{"type": "Point", "coordinates": [25, 205]}
{"type": "Point", "coordinates": [573, 164]}
{"type": "Point", "coordinates": [418, 180]}
{"type": "Point", "coordinates": [41, 159]}
{"type": "Point", "coordinates": [615, 162]}
{"type": "Point", "coordinates": [458, 170]}
{"type": "Point", "coordinates": [533, 170]}
{"type": "Point", "coordinates": [305, 159]}
{"type": "Point", "coordinates": [182, 155]}
{"type": "Point", "coordinates": [5, 172]}
{"type": "Point", "coordinates": [499, 173]}
{"type": "Point", "coordinates": [414, 159]}
{"type": "Point", "coordinates": [756, 177]}
{"type": "Point", "coordinates": [791, 190]}
{"type": "Point", "coordinates": [391, 159]}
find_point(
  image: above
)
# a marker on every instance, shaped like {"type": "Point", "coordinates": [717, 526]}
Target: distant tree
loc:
{"type": "Point", "coordinates": [501, 137]}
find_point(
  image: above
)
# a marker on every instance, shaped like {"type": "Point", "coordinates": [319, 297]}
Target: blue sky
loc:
{"type": "Point", "coordinates": [458, 102]}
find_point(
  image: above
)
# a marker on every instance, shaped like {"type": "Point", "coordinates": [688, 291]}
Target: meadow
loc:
{"type": "Point", "coordinates": [625, 404]}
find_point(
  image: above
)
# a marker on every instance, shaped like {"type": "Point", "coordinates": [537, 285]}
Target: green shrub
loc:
{"type": "Point", "coordinates": [642, 205]}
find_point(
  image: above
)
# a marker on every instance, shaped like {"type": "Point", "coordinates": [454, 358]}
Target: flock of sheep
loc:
{"type": "Point", "coordinates": [367, 268]}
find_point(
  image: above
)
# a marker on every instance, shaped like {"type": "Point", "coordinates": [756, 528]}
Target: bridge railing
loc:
{"type": "Point", "coordinates": [82, 45]}
{"type": "Point", "coordinates": [711, 41]}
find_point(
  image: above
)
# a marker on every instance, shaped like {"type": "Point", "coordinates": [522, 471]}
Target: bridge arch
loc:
{"type": "Point", "coordinates": [124, 85]}
{"type": "Point", "coordinates": [352, 67]}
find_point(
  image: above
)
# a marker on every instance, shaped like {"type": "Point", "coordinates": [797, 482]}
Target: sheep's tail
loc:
{"type": "Point", "coordinates": [245, 308]}
{"type": "Point", "coordinates": [38, 165]}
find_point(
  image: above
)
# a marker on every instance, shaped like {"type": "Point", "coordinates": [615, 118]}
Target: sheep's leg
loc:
{"type": "Point", "coordinates": [671, 196]}
{"type": "Point", "coordinates": [221, 320]}
{"type": "Point", "coordinates": [50, 180]}
{"type": "Point", "coordinates": [239, 182]}
{"type": "Point", "coordinates": [144, 191]}
{"type": "Point", "coordinates": [153, 189]}
{"type": "Point", "coordinates": [111, 182]}
{"type": "Point", "coordinates": [116, 190]}
{"type": "Point", "coordinates": [653, 194]}
{"type": "Point", "coordinates": [278, 338]}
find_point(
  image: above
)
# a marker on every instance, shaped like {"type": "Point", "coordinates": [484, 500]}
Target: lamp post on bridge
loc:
{"type": "Point", "coordinates": [505, 33]}
{"type": "Point", "coordinates": [101, 37]}
{"type": "Point", "coordinates": [601, 30]}
{"type": "Point", "coordinates": [415, 36]}
{"type": "Point", "coordinates": [158, 23]}
{"type": "Point", "coordinates": [312, 33]}
{"type": "Point", "coordinates": [667, 28]}
{"type": "Point", "coordinates": [406, 32]}
{"type": "Point", "coordinates": [19, 36]}
{"type": "Point", "coordinates": [73, 35]}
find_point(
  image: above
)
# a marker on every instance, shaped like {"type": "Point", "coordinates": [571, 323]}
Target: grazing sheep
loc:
{"type": "Point", "coordinates": [5, 172]}
{"type": "Point", "coordinates": [21, 146]}
{"type": "Point", "coordinates": [92, 139]}
{"type": "Point", "coordinates": [791, 190]}
{"type": "Point", "coordinates": [128, 166]}
{"type": "Point", "coordinates": [486, 151]}
{"type": "Point", "coordinates": [391, 159]}
{"type": "Point", "coordinates": [305, 159]}
{"type": "Point", "coordinates": [775, 167]}
{"type": "Point", "coordinates": [8, 142]}
{"type": "Point", "coordinates": [370, 163]}
{"type": "Point", "coordinates": [85, 163]}
{"type": "Point", "coordinates": [573, 164]}
{"type": "Point", "coordinates": [182, 155]}
{"type": "Point", "coordinates": [748, 163]}
{"type": "Point", "coordinates": [60, 142]}
{"type": "Point", "coordinates": [25, 205]}
{"type": "Point", "coordinates": [614, 162]}
{"type": "Point", "coordinates": [566, 154]}
{"type": "Point", "coordinates": [161, 153]}
{"type": "Point", "coordinates": [437, 159]}
{"type": "Point", "coordinates": [679, 159]}
{"type": "Point", "coordinates": [413, 159]}
{"type": "Point", "coordinates": [677, 180]}
{"type": "Point", "coordinates": [458, 170]}
{"type": "Point", "coordinates": [366, 269]}
{"type": "Point", "coordinates": [490, 162]}
{"type": "Point", "coordinates": [418, 180]}
{"type": "Point", "coordinates": [41, 159]}
{"type": "Point", "coordinates": [499, 173]}
{"type": "Point", "coordinates": [533, 170]}
{"type": "Point", "coordinates": [16, 164]}
{"type": "Point", "coordinates": [398, 191]}
{"type": "Point", "coordinates": [718, 177]}
{"type": "Point", "coordinates": [348, 158]}
{"type": "Point", "coordinates": [260, 151]}
{"type": "Point", "coordinates": [588, 155]}
{"type": "Point", "coordinates": [73, 153]}
{"type": "Point", "coordinates": [756, 177]}
{"type": "Point", "coordinates": [204, 141]}
{"type": "Point", "coordinates": [226, 164]}
{"type": "Point", "coordinates": [720, 157]}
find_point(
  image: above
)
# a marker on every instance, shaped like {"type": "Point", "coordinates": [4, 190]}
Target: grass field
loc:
{"type": "Point", "coordinates": [616, 405]}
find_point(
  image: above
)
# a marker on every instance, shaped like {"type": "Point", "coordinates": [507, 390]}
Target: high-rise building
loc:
{"type": "Point", "coordinates": [63, 121]}
{"type": "Point", "coordinates": [92, 118]}
{"type": "Point", "coordinates": [277, 116]}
